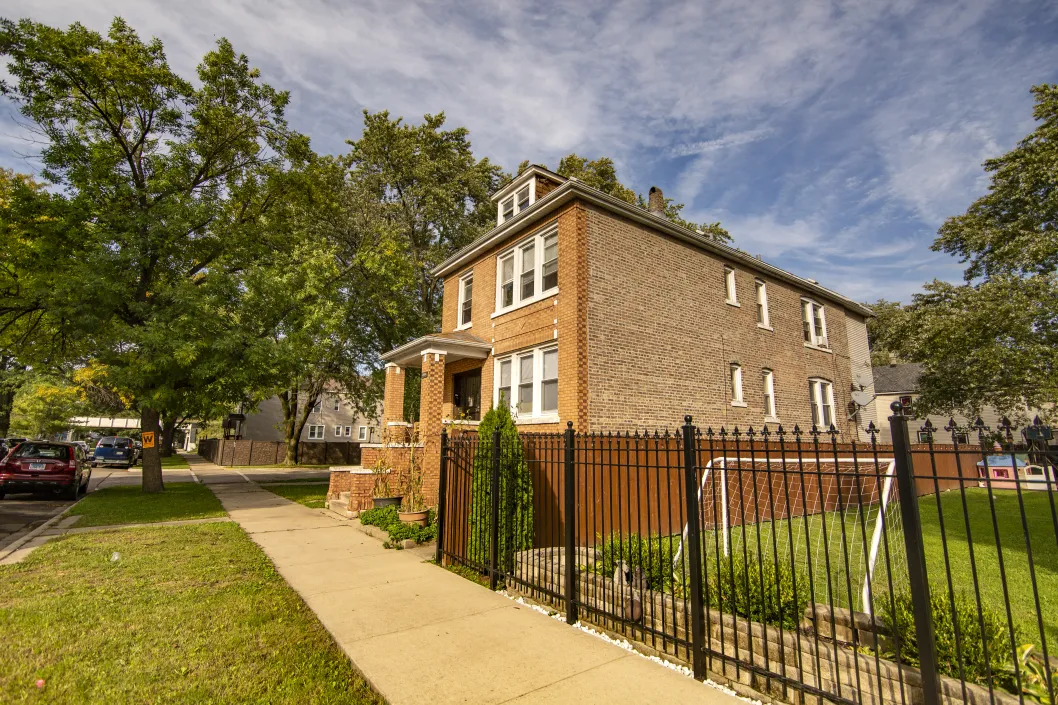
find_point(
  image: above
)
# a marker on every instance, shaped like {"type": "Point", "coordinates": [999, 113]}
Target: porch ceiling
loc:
{"type": "Point", "coordinates": [454, 346]}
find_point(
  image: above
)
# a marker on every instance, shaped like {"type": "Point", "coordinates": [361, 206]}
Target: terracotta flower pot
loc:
{"type": "Point", "coordinates": [419, 518]}
{"type": "Point", "coordinates": [380, 502]}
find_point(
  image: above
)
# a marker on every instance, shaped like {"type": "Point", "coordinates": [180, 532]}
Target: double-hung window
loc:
{"type": "Point", "coordinates": [729, 286]}
{"type": "Point", "coordinates": [528, 272]}
{"type": "Point", "coordinates": [317, 407]}
{"type": "Point", "coordinates": [821, 394]}
{"type": "Point", "coordinates": [338, 431]}
{"type": "Point", "coordinates": [466, 300]}
{"type": "Point", "coordinates": [507, 209]}
{"type": "Point", "coordinates": [763, 319]}
{"type": "Point", "coordinates": [516, 202]}
{"type": "Point", "coordinates": [768, 384]}
{"type": "Point", "coordinates": [316, 432]}
{"type": "Point", "coordinates": [361, 433]}
{"type": "Point", "coordinates": [736, 384]}
{"type": "Point", "coordinates": [528, 382]}
{"type": "Point", "coordinates": [814, 323]}
{"type": "Point", "coordinates": [521, 199]}
{"type": "Point", "coordinates": [348, 431]}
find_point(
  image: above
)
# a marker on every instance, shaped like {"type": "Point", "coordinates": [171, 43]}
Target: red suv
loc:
{"type": "Point", "coordinates": [34, 466]}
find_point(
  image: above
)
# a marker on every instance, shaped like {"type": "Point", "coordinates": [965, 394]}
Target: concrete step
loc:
{"type": "Point", "coordinates": [341, 508]}
{"type": "Point", "coordinates": [344, 496]}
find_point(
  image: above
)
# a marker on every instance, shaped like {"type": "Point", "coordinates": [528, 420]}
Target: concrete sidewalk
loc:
{"type": "Point", "coordinates": [420, 634]}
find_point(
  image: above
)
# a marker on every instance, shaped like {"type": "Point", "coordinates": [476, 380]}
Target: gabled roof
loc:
{"type": "Point", "coordinates": [897, 379]}
{"type": "Point", "coordinates": [574, 188]}
{"type": "Point", "coordinates": [531, 170]}
{"type": "Point", "coordinates": [456, 345]}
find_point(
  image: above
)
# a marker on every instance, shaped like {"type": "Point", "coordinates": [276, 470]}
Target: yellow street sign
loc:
{"type": "Point", "coordinates": [148, 439]}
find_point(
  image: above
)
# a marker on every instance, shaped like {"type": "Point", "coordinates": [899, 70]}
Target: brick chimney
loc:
{"type": "Point", "coordinates": [656, 201]}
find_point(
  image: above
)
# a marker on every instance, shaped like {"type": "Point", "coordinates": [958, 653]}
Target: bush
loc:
{"type": "Point", "coordinates": [387, 519]}
{"type": "Point", "coordinates": [898, 613]}
{"type": "Point", "coordinates": [759, 591]}
{"type": "Point", "coordinates": [516, 492]}
{"type": "Point", "coordinates": [653, 555]}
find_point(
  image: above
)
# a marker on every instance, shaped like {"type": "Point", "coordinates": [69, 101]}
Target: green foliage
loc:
{"type": "Point", "coordinates": [44, 406]}
{"type": "Point", "coordinates": [759, 591]}
{"type": "Point", "coordinates": [516, 491]}
{"type": "Point", "coordinates": [1037, 681]}
{"type": "Point", "coordinates": [653, 555]}
{"type": "Point", "coordinates": [897, 612]}
{"type": "Point", "coordinates": [388, 519]}
{"type": "Point", "coordinates": [993, 341]}
{"type": "Point", "coordinates": [881, 330]}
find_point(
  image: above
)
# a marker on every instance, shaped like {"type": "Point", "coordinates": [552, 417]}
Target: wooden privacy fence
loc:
{"type": "Point", "coordinates": [245, 452]}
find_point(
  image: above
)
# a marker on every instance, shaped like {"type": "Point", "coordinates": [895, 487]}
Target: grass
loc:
{"type": "Point", "coordinates": [129, 505]}
{"type": "Point", "coordinates": [174, 461]}
{"type": "Point", "coordinates": [188, 614]}
{"type": "Point", "coordinates": [312, 496]}
{"type": "Point", "coordinates": [280, 467]}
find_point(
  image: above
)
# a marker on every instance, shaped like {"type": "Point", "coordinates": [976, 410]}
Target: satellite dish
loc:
{"type": "Point", "coordinates": [863, 379]}
{"type": "Point", "coordinates": [862, 398]}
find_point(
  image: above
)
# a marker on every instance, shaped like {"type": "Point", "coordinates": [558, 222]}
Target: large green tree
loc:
{"type": "Point", "coordinates": [993, 341]}
{"type": "Point", "coordinates": [136, 257]}
{"type": "Point", "coordinates": [601, 174]}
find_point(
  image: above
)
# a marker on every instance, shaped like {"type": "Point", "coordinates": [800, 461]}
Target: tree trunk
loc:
{"type": "Point", "coordinates": [7, 400]}
{"type": "Point", "coordinates": [152, 459]}
{"type": "Point", "coordinates": [168, 428]}
{"type": "Point", "coordinates": [289, 401]}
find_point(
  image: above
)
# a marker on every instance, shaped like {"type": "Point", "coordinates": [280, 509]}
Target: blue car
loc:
{"type": "Point", "coordinates": [114, 450]}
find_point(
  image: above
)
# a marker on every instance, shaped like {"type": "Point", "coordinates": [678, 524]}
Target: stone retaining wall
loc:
{"type": "Point", "coordinates": [657, 623]}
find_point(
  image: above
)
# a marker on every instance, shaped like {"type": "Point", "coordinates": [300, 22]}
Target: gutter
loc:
{"type": "Point", "coordinates": [574, 188]}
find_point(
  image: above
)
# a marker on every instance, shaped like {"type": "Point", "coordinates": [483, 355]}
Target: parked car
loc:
{"type": "Point", "coordinates": [138, 445]}
{"type": "Point", "coordinates": [114, 450]}
{"type": "Point", "coordinates": [83, 446]}
{"type": "Point", "coordinates": [12, 442]}
{"type": "Point", "coordinates": [36, 466]}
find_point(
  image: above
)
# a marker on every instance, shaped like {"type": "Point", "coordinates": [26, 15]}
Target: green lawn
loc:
{"type": "Point", "coordinates": [174, 461]}
{"type": "Point", "coordinates": [187, 614]}
{"type": "Point", "coordinates": [312, 496]}
{"type": "Point", "coordinates": [129, 505]}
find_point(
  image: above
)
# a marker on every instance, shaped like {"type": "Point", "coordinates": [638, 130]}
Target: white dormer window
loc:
{"type": "Point", "coordinates": [522, 197]}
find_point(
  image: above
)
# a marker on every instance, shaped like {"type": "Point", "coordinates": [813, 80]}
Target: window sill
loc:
{"type": "Point", "coordinates": [526, 420]}
{"type": "Point", "coordinates": [765, 326]}
{"type": "Point", "coordinates": [733, 303]}
{"type": "Point", "coordinates": [465, 326]}
{"type": "Point", "coordinates": [398, 423]}
{"type": "Point", "coordinates": [771, 419]}
{"type": "Point", "coordinates": [739, 403]}
{"type": "Point", "coordinates": [528, 302]}
{"type": "Point", "coordinates": [460, 422]}
{"type": "Point", "coordinates": [819, 348]}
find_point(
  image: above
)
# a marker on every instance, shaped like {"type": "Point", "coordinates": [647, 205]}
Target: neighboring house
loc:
{"type": "Point", "coordinates": [899, 382]}
{"type": "Point", "coordinates": [331, 419]}
{"type": "Point", "coordinates": [580, 307]}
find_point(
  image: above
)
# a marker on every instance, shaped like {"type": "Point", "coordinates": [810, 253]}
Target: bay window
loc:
{"type": "Point", "coordinates": [534, 262]}
{"type": "Point", "coordinates": [532, 377]}
{"type": "Point", "coordinates": [821, 395]}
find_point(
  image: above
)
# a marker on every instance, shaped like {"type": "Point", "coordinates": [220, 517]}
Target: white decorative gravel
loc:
{"type": "Point", "coordinates": [627, 646]}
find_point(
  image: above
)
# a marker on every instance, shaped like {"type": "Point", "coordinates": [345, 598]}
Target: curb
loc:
{"type": "Point", "coordinates": [18, 543]}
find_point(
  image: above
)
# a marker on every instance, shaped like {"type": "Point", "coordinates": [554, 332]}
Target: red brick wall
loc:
{"type": "Point", "coordinates": [359, 486]}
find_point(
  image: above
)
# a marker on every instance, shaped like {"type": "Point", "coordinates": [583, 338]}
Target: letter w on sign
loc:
{"type": "Point", "coordinates": [148, 439]}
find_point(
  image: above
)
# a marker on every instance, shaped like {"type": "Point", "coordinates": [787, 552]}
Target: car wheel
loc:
{"type": "Point", "coordinates": [1, 495]}
{"type": "Point", "coordinates": [72, 491]}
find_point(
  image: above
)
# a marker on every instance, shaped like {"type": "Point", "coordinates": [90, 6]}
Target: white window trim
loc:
{"type": "Point", "coordinates": [738, 395]}
{"type": "Point", "coordinates": [338, 431]}
{"type": "Point", "coordinates": [461, 300]}
{"type": "Point", "coordinates": [514, 195]}
{"type": "Point", "coordinates": [818, 342]}
{"type": "Point", "coordinates": [337, 403]}
{"type": "Point", "coordinates": [816, 385]}
{"type": "Point", "coordinates": [322, 430]}
{"type": "Point", "coordinates": [362, 434]}
{"type": "Point", "coordinates": [768, 380]}
{"type": "Point", "coordinates": [538, 272]}
{"type": "Point", "coordinates": [348, 431]}
{"type": "Point", "coordinates": [537, 415]}
{"type": "Point", "coordinates": [730, 287]}
{"type": "Point", "coordinates": [761, 287]}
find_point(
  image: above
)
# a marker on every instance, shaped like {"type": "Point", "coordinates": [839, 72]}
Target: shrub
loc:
{"type": "Point", "coordinates": [653, 555]}
{"type": "Point", "coordinates": [759, 591]}
{"type": "Point", "coordinates": [898, 613]}
{"type": "Point", "coordinates": [387, 519]}
{"type": "Point", "coordinates": [380, 517]}
{"type": "Point", "coordinates": [516, 492]}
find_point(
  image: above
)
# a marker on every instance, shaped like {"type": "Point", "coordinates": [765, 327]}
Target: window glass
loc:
{"type": "Point", "coordinates": [549, 382]}
{"type": "Point", "coordinates": [41, 450]}
{"type": "Point", "coordinates": [825, 395]}
{"type": "Point", "coordinates": [338, 430]}
{"type": "Point", "coordinates": [806, 320]}
{"type": "Point", "coordinates": [508, 208]}
{"type": "Point", "coordinates": [523, 198]}
{"type": "Point", "coordinates": [769, 393]}
{"type": "Point", "coordinates": [348, 431]}
{"type": "Point", "coordinates": [528, 279]}
{"type": "Point", "coordinates": [762, 304]}
{"type": "Point", "coordinates": [550, 268]}
{"type": "Point", "coordinates": [525, 384]}
{"type": "Point", "coordinates": [729, 284]}
{"type": "Point", "coordinates": [505, 382]}
{"type": "Point", "coordinates": [317, 407]}
{"type": "Point", "coordinates": [337, 403]}
{"type": "Point", "coordinates": [468, 298]}
{"type": "Point", "coordinates": [507, 281]}
{"type": "Point", "coordinates": [813, 397]}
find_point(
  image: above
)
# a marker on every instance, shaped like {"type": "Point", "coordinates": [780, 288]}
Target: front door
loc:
{"type": "Point", "coordinates": [467, 395]}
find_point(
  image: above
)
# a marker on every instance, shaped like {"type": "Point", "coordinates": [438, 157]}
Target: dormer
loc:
{"type": "Point", "coordinates": [524, 190]}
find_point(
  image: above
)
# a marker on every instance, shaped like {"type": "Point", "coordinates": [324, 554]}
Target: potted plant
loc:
{"type": "Point", "coordinates": [382, 491]}
{"type": "Point", "coordinates": [414, 510]}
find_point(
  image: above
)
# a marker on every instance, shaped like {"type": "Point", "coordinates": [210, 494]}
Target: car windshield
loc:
{"type": "Point", "coordinates": [42, 450]}
{"type": "Point", "coordinates": [106, 442]}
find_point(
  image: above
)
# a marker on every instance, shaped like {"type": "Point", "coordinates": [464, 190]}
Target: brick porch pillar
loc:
{"type": "Point", "coordinates": [393, 401]}
{"type": "Point", "coordinates": [430, 415]}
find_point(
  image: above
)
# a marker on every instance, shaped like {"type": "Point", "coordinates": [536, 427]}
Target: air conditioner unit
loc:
{"type": "Point", "coordinates": [824, 343]}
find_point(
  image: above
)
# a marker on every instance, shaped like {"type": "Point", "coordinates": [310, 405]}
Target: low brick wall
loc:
{"type": "Point", "coordinates": [804, 655]}
{"type": "Point", "coordinates": [357, 482]}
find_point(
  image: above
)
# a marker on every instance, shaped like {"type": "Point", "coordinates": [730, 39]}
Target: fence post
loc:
{"type": "Point", "coordinates": [571, 525]}
{"type": "Point", "coordinates": [442, 488]}
{"type": "Point", "coordinates": [694, 549]}
{"type": "Point", "coordinates": [494, 527]}
{"type": "Point", "coordinates": [916, 555]}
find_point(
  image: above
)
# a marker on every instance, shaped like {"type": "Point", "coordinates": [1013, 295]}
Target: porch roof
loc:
{"type": "Point", "coordinates": [456, 345]}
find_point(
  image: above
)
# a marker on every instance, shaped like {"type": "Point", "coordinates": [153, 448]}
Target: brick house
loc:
{"type": "Point", "coordinates": [580, 307]}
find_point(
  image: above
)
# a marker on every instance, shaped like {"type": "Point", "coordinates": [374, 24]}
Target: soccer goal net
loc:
{"type": "Point", "coordinates": [833, 522]}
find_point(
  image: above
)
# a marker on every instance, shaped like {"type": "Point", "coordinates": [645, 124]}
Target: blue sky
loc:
{"type": "Point", "coordinates": [831, 138]}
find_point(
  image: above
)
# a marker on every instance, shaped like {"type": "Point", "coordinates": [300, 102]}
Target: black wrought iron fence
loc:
{"type": "Point", "coordinates": [783, 562]}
